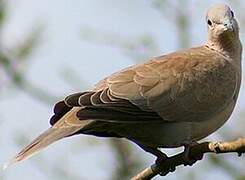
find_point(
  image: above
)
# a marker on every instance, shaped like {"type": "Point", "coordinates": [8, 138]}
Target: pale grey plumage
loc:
{"type": "Point", "coordinates": [165, 102]}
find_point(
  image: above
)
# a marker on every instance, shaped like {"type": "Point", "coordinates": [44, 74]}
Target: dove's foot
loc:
{"type": "Point", "coordinates": [160, 161]}
{"type": "Point", "coordinates": [161, 157]}
{"type": "Point", "coordinates": [187, 158]}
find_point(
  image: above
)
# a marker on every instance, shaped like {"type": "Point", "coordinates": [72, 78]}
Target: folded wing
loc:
{"type": "Point", "coordinates": [183, 86]}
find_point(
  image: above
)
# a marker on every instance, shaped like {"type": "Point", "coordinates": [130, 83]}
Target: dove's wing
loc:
{"type": "Point", "coordinates": [183, 86]}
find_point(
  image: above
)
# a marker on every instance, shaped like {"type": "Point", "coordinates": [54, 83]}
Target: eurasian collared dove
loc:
{"type": "Point", "coordinates": [167, 102]}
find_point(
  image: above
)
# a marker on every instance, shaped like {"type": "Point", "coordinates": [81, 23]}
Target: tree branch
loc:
{"type": "Point", "coordinates": [196, 151]}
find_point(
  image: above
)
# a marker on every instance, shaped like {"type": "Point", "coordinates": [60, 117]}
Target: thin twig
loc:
{"type": "Point", "coordinates": [196, 151]}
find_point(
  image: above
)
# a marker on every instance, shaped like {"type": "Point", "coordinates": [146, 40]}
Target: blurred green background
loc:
{"type": "Point", "coordinates": [49, 49]}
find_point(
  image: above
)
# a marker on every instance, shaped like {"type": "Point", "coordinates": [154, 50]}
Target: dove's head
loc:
{"type": "Point", "coordinates": [221, 20]}
{"type": "Point", "coordinates": [223, 30]}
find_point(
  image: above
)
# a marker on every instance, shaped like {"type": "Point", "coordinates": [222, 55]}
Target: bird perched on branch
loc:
{"type": "Point", "coordinates": [169, 101]}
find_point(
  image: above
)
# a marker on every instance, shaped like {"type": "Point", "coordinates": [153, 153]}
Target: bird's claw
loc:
{"type": "Point", "coordinates": [159, 161]}
{"type": "Point", "coordinates": [188, 160]}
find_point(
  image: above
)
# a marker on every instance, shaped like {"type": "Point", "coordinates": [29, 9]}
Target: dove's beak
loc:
{"type": "Point", "coordinates": [228, 23]}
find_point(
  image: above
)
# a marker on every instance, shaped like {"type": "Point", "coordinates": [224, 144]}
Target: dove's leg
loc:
{"type": "Point", "coordinates": [161, 157]}
{"type": "Point", "coordinates": [190, 160]}
{"type": "Point", "coordinates": [159, 154]}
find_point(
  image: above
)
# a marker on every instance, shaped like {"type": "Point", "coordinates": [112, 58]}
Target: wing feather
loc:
{"type": "Point", "coordinates": [176, 87]}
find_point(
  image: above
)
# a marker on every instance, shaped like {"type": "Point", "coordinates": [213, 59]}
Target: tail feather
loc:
{"type": "Point", "coordinates": [46, 138]}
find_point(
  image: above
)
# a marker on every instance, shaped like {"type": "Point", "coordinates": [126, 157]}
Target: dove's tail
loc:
{"type": "Point", "coordinates": [46, 138]}
{"type": "Point", "coordinates": [58, 131]}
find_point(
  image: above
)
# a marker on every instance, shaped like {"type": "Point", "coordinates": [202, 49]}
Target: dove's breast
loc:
{"type": "Point", "coordinates": [210, 90]}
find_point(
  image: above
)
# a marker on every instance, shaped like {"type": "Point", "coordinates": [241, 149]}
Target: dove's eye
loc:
{"type": "Point", "coordinates": [209, 23]}
{"type": "Point", "coordinates": [232, 13]}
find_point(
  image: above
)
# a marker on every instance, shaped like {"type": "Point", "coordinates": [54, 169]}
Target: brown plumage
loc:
{"type": "Point", "coordinates": [168, 101]}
